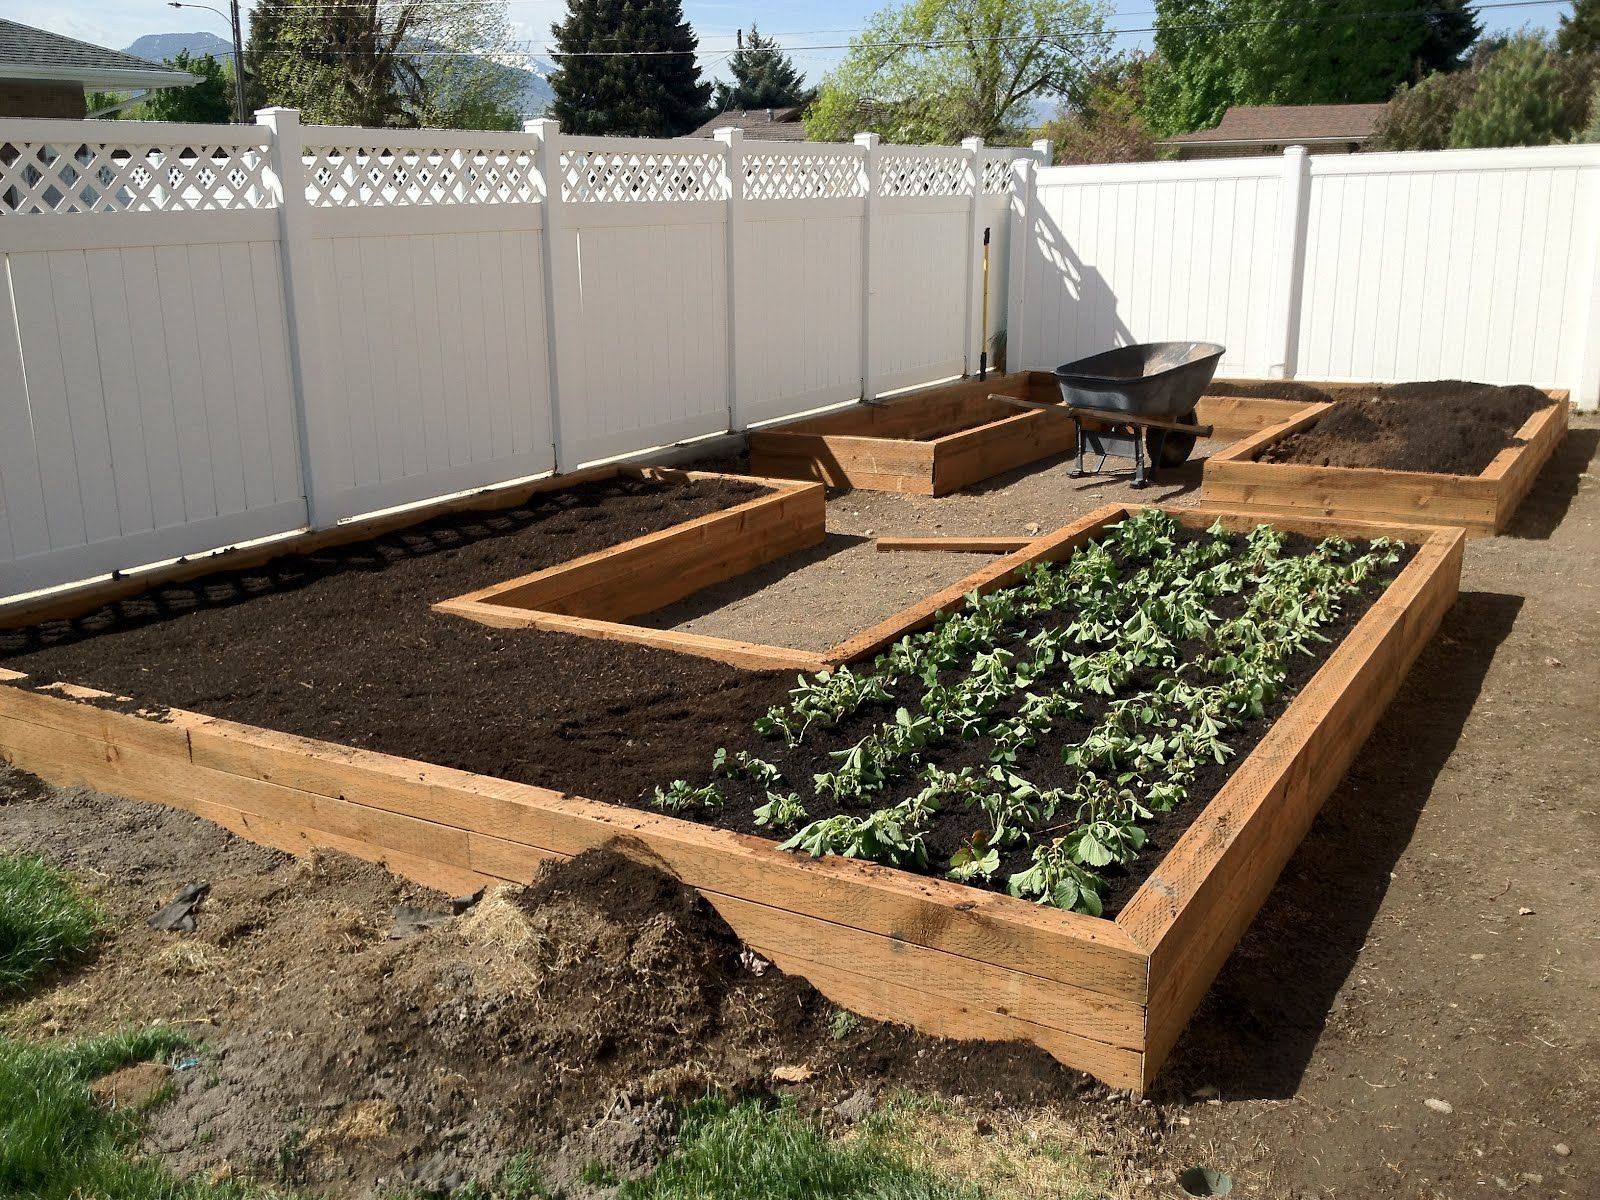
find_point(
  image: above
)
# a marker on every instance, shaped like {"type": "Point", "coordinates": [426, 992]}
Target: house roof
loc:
{"type": "Point", "coordinates": [766, 124]}
{"type": "Point", "coordinates": [37, 55]}
{"type": "Point", "coordinates": [1282, 124]}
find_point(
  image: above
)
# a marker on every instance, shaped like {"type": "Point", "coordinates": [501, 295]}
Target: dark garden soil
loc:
{"type": "Point", "coordinates": [1269, 389]}
{"type": "Point", "coordinates": [566, 1019]}
{"type": "Point", "coordinates": [1447, 427]}
{"type": "Point", "coordinates": [342, 645]}
{"type": "Point", "coordinates": [1041, 765]}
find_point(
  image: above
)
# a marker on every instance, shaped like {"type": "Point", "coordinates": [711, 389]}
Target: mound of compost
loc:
{"type": "Point", "coordinates": [1448, 427]}
{"type": "Point", "coordinates": [342, 645]}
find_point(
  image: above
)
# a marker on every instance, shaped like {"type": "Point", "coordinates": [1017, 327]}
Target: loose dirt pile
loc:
{"type": "Point", "coordinates": [562, 1020]}
{"type": "Point", "coordinates": [1449, 427]}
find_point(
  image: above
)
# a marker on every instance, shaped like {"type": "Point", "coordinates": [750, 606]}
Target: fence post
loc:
{"type": "Point", "coordinates": [559, 278]}
{"type": "Point", "coordinates": [287, 169]}
{"type": "Point", "coordinates": [1294, 206]}
{"type": "Point", "coordinates": [868, 142]}
{"type": "Point", "coordinates": [733, 159]}
{"type": "Point", "coordinates": [1586, 389]}
{"type": "Point", "coordinates": [972, 344]}
{"type": "Point", "coordinates": [1024, 189]}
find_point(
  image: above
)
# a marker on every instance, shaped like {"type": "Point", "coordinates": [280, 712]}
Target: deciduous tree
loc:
{"type": "Point", "coordinates": [941, 70]}
{"type": "Point", "coordinates": [1217, 53]}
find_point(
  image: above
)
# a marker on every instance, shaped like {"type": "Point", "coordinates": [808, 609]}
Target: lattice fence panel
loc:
{"type": "Point", "coordinates": [799, 175]}
{"type": "Point", "coordinates": [94, 177]}
{"type": "Point", "coordinates": [997, 176]}
{"type": "Point", "coordinates": [362, 177]}
{"type": "Point", "coordinates": [636, 177]}
{"type": "Point", "coordinates": [923, 175]}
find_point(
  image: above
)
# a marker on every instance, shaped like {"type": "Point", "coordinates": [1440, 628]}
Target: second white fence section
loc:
{"type": "Point", "coordinates": [1476, 264]}
{"type": "Point", "coordinates": [215, 334]}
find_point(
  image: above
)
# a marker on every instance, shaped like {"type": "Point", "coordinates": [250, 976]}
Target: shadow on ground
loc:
{"type": "Point", "coordinates": [1556, 487]}
{"type": "Point", "coordinates": [1167, 483]}
{"type": "Point", "coordinates": [1254, 1034]}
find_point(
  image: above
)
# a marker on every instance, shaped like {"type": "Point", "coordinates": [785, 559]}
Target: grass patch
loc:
{"type": "Point", "coordinates": [1021, 1154]}
{"type": "Point", "coordinates": [746, 1152]}
{"type": "Point", "coordinates": [44, 920]}
{"type": "Point", "coordinates": [57, 1143]}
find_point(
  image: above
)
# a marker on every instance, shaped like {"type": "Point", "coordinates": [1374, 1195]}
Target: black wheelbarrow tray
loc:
{"type": "Point", "coordinates": [1135, 402]}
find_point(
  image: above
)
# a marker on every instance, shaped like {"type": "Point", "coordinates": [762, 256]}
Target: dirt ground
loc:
{"type": "Point", "coordinates": [1414, 1013]}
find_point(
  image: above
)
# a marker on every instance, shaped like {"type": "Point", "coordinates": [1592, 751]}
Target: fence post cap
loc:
{"type": "Point", "coordinates": [276, 115]}
{"type": "Point", "coordinates": [869, 140]}
{"type": "Point", "coordinates": [728, 133]}
{"type": "Point", "coordinates": [542, 127]}
{"type": "Point", "coordinates": [1046, 150]}
{"type": "Point", "coordinates": [1294, 151]}
{"type": "Point", "coordinates": [972, 143]}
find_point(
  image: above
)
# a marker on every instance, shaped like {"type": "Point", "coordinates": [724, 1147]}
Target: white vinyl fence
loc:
{"type": "Point", "coordinates": [1469, 264]}
{"type": "Point", "coordinates": [213, 334]}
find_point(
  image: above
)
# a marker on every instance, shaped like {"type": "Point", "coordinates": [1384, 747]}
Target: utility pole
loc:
{"type": "Point", "coordinates": [232, 17]}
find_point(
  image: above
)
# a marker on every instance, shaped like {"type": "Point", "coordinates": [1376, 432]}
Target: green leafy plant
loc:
{"type": "Point", "coordinates": [678, 796]}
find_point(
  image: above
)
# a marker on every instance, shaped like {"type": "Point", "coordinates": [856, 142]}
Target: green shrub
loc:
{"type": "Point", "coordinates": [1524, 98]}
{"type": "Point", "coordinates": [43, 920]}
{"type": "Point", "coordinates": [751, 1153]}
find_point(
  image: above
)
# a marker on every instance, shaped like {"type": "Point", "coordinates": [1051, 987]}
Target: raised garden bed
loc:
{"type": "Point", "coordinates": [944, 438]}
{"type": "Point", "coordinates": [593, 596]}
{"type": "Point", "coordinates": [1482, 504]}
{"type": "Point", "coordinates": [1106, 996]}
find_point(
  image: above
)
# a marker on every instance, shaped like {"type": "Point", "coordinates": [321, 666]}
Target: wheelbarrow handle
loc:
{"type": "Point", "coordinates": [1105, 415]}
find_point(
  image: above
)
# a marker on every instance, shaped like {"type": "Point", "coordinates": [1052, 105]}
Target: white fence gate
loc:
{"type": "Point", "coordinates": [1475, 264]}
{"type": "Point", "coordinates": [214, 334]}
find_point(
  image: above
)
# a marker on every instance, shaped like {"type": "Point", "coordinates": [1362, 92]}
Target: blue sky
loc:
{"type": "Point", "coordinates": [807, 25]}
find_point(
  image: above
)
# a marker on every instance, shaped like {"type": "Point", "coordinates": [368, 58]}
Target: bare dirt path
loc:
{"type": "Point", "coordinates": [1416, 1013]}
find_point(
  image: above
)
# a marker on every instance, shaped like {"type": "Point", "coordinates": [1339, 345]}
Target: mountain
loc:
{"type": "Point", "coordinates": [532, 74]}
{"type": "Point", "coordinates": [534, 91]}
{"type": "Point", "coordinates": [158, 47]}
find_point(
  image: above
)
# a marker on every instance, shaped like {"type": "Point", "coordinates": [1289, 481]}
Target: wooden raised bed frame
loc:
{"type": "Point", "coordinates": [1481, 504]}
{"type": "Point", "coordinates": [898, 446]}
{"type": "Point", "coordinates": [1108, 997]}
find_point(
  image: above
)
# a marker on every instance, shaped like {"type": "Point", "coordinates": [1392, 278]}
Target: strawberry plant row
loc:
{"type": "Point", "coordinates": [1051, 737]}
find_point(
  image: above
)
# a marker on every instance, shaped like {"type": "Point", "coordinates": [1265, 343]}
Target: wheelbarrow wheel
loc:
{"type": "Point", "coordinates": [1175, 448]}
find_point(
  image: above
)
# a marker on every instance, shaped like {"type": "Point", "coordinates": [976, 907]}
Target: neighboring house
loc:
{"type": "Point", "coordinates": [46, 75]}
{"type": "Point", "coordinates": [1267, 128]}
{"type": "Point", "coordinates": [762, 124]}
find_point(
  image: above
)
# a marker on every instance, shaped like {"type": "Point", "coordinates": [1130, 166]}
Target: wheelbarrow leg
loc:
{"type": "Point", "coordinates": [1139, 478]}
{"type": "Point", "coordinates": [1077, 471]}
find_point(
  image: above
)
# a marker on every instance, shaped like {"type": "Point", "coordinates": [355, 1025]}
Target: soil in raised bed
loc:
{"type": "Point", "coordinates": [1042, 765]}
{"type": "Point", "coordinates": [342, 645]}
{"type": "Point", "coordinates": [1447, 427]}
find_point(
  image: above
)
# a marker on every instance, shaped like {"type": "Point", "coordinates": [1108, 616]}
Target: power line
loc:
{"type": "Point", "coordinates": [546, 50]}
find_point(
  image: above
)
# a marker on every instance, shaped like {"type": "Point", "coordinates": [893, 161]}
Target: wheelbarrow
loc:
{"type": "Point", "coordinates": [1134, 402]}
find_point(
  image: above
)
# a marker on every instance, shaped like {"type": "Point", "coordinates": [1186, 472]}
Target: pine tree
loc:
{"type": "Point", "coordinates": [648, 85]}
{"type": "Point", "coordinates": [1579, 32]}
{"type": "Point", "coordinates": [1523, 100]}
{"type": "Point", "coordinates": [1452, 28]}
{"type": "Point", "coordinates": [763, 77]}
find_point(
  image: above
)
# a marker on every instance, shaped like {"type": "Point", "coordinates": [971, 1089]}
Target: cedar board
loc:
{"type": "Point", "coordinates": [897, 446]}
{"type": "Point", "coordinates": [1481, 504]}
{"type": "Point", "coordinates": [1108, 997]}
